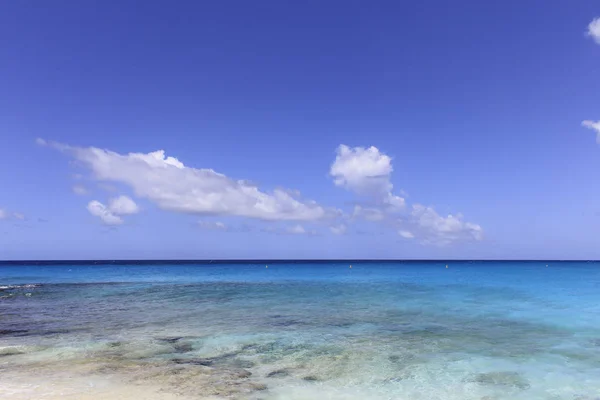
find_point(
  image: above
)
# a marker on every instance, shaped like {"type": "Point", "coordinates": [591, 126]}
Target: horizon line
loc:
{"type": "Point", "coordinates": [270, 261]}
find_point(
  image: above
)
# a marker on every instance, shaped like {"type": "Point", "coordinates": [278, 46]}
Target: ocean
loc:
{"type": "Point", "coordinates": [301, 330]}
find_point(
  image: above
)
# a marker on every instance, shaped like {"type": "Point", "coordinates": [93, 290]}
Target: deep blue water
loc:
{"type": "Point", "coordinates": [474, 330]}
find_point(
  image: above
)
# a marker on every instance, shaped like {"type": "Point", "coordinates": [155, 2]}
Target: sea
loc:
{"type": "Point", "coordinates": [364, 330]}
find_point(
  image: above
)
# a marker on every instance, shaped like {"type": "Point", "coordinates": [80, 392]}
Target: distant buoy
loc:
{"type": "Point", "coordinates": [266, 266]}
{"type": "Point", "coordinates": [446, 265]}
{"type": "Point", "coordinates": [546, 265]}
{"type": "Point", "coordinates": [351, 267]}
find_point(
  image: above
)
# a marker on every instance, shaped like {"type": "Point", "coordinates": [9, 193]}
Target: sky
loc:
{"type": "Point", "coordinates": [315, 129]}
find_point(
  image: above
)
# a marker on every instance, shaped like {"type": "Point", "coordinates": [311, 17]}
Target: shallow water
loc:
{"type": "Point", "coordinates": [480, 331]}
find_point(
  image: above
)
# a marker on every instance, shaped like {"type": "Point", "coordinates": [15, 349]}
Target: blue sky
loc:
{"type": "Point", "coordinates": [428, 129]}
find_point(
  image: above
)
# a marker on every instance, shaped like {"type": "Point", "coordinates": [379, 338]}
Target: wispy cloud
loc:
{"type": "Point", "coordinates": [213, 225]}
{"type": "Point", "coordinates": [80, 190]}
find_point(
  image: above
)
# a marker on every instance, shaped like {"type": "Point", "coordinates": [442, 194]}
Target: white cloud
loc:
{"type": "Point", "coordinates": [436, 229]}
{"type": "Point", "coordinates": [338, 230]}
{"type": "Point", "coordinates": [99, 210]}
{"type": "Point", "coordinates": [2, 214]}
{"type": "Point", "coordinates": [80, 190]}
{"type": "Point", "coordinates": [364, 171]}
{"type": "Point", "coordinates": [212, 225]}
{"type": "Point", "coordinates": [296, 230]}
{"type": "Point", "coordinates": [40, 142]}
{"type": "Point", "coordinates": [117, 207]}
{"type": "Point", "coordinates": [594, 29]}
{"type": "Point", "coordinates": [406, 234]}
{"type": "Point", "coordinates": [19, 216]}
{"type": "Point", "coordinates": [595, 126]}
{"type": "Point", "coordinates": [173, 186]}
{"type": "Point", "coordinates": [367, 172]}
{"type": "Point", "coordinates": [122, 205]}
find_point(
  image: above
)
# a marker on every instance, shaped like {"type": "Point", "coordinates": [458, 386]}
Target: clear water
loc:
{"type": "Point", "coordinates": [504, 330]}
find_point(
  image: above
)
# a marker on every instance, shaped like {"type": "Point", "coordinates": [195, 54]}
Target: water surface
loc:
{"type": "Point", "coordinates": [476, 330]}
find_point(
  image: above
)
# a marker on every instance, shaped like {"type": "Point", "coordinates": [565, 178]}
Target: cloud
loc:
{"type": "Point", "coordinates": [338, 230]}
{"type": "Point", "coordinates": [435, 229]}
{"type": "Point", "coordinates": [406, 234]}
{"type": "Point", "coordinates": [122, 205]}
{"type": "Point", "coordinates": [219, 226]}
{"type": "Point", "coordinates": [593, 125]}
{"type": "Point", "coordinates": [173, 186]}
{"type": "Point", "coordinates": [12, 215]}
{"type": "Point", "coordinates": [594, 30]}
{"type": "Point", "coordinates": [19, 216]}
{"type": "Point", "coordinates": [80, 190]}
{"type": "Point", "coordinates": [99, 210]}
{"type": "Point", "coordinates": [111, 214]}
{"type": "Point", "coordinates": [366, 172]}
{"type": "Point", "coordinates": [368, 213]}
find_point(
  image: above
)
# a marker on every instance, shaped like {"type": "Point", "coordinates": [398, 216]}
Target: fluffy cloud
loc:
{"type": "Point", "coordinates": [594, 30]}
{"type": "Point", "coordinates": [595, 126]}
{"type": "Point", "coordinates": [173, 186]}
{"type": "Point", "coordinates": [440, 230]}
{"type": "Point", "coordinates": [122, 205]}
{"type": "Point", "coordinates": [80, 190]}
{"type": "Point", "coordinates": [220, 226]}
{"type": "Point", "coordinates": [99, 210]}
{"type": "Point", "coordinates": [2, 214]}
{"type": "Point", "coordinates": [367, 172]}
{"type": "Point", "coordinates": [111, 214]}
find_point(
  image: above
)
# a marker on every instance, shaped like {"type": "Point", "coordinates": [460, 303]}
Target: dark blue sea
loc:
{"type": "Point", "coordinates": [300, 331]}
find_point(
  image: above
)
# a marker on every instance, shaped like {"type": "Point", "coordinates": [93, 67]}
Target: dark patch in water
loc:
{"type": "Point", "coordinates": [183, 347]}
{"type": "Point", "coordinates": [170, 339]}
{"type": "Point", "coordinates": [14, 332]}
{"type": "Point", "coordinates": [206, 362]}
{"type": "Point", "coordinates": [503, 378]}
{"type": "Point", "coordinates": [310, 378]}
{"type": "Point", "coordinates": [279, 373]}
{"type": "Point", "coordinates": [258, 386]}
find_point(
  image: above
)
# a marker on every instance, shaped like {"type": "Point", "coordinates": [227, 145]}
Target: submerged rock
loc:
{"type": "Point", "coordinates": [170, 339]}
{"type": "Point", "coordinates": [310, 378]}
{"type": "Point", "coordinates": [206, 362]}
{"type": "Point", "coordinates": [258, 386]}
{"type": "Point", "coordinates": [279, 373]}
{"type": "Point", "coordinates": [502, 378]}
{"type": "Point", "coordinates": [183, 347]}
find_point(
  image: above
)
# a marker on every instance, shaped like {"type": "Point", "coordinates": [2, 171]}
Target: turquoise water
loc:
{"type": "Point", "coordinates": [477, 330]}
